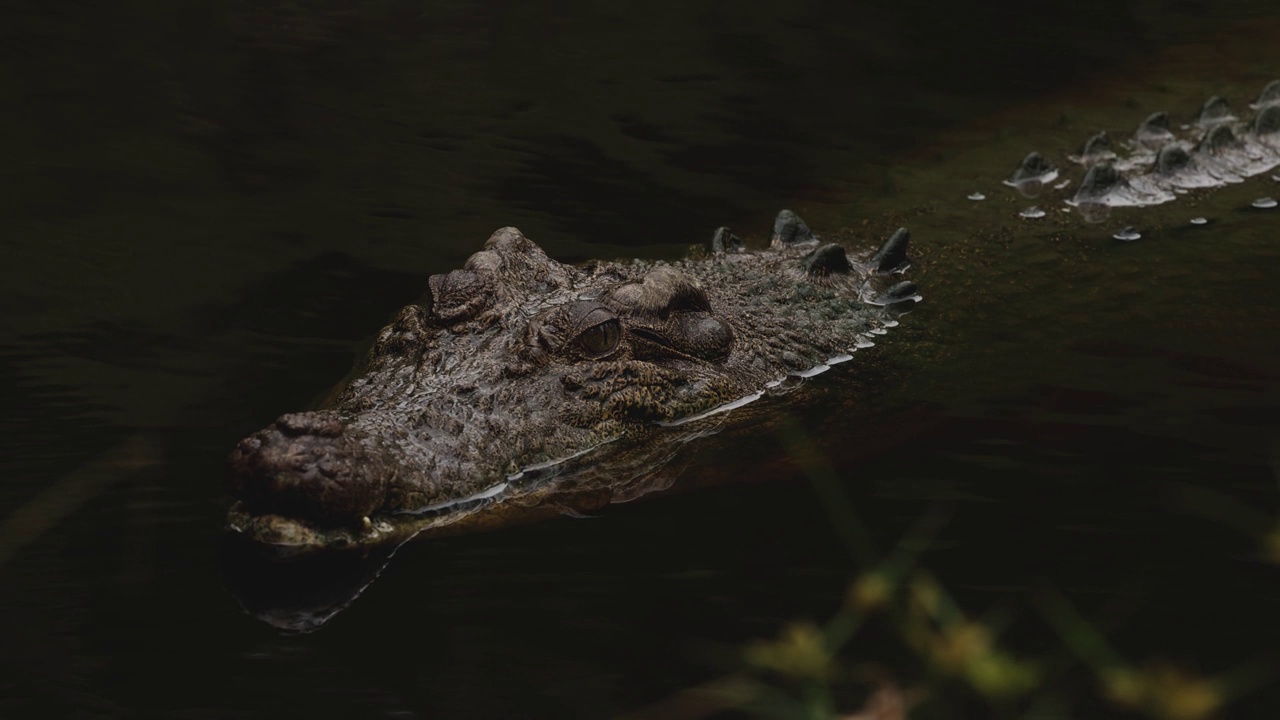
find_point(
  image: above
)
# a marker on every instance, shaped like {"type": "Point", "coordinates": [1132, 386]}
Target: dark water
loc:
{"type": "Point", "coordinates": [207, 210]}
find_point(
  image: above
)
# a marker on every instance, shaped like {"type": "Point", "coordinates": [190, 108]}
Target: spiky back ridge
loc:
{"type": "Point", "coordinates": [463, 390]}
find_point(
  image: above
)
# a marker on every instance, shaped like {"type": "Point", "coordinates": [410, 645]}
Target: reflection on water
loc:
{"type": "Point", "coordinates": [297, 593]}
{"type": "Point", "coordinates": [209, 211]}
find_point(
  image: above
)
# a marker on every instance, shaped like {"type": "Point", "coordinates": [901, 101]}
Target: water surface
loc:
{"type": "Point", "coordinates": [209, 211]}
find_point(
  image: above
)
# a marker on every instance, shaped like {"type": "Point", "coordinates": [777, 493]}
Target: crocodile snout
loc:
{"type": "Point", "coordinates": [308, 465]}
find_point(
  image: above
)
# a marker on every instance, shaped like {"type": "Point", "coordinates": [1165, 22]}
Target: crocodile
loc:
{"type": "Point", "coordinates": [522, 382]}
{"type": "Point", "coordinates": [1161, 162]}
{"type": "Point", "coordinates": [516, 374]}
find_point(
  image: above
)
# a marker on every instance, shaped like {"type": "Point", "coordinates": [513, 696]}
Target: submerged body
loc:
{"type": "Point", "coordinates": [518, 365]}
{"type": "Point", "coordinates": [1162, 161]}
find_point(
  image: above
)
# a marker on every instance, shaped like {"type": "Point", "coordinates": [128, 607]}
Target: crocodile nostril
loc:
{"type": "Point", "coordinates": [307, 465]}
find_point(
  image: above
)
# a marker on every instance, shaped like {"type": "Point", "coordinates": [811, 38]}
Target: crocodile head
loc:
{"type": "Point", "coordinates": [516, 365]}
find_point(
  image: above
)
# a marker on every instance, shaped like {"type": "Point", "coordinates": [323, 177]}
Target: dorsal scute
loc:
{"type": "Point", "coordinates": [1215, 110]}
{"type": "Point", "coordinates": [724, 241]}
{"type": "Point", "coordinates": [1171, 159]}
{"type": "Point", "coordinates": [1156, 125]}
{"type": "Point", "coordinates": [1033, 167]}
{"type": "Point", "coordinates": [1218, 138]}
{"type": "Point", "coordinates": [892, 256]}
{"type": "Point", "coordinates": [1268, 121]}
{"type": "Point", "coordinates": [826, 260]}
{"type": "Point", "coordinates": [789, 230]}
{"type": "Point", "coordinates": [1270, 94]}
{"type": "Point", "coordinates": [1098, 181]}
{"type": "Point", "coordinates": [1097, 144]}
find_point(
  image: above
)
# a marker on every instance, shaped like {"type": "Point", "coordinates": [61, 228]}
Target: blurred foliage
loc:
{"type": "Point", "coordinates": [952, 662]}
{"type": "Point", "coordinates": [959, 661]}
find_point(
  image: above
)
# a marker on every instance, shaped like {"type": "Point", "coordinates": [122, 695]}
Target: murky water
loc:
{"type": "Point", "coordinates": [207, 212]}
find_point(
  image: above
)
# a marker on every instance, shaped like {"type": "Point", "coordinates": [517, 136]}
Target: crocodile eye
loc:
{"type": "Point", "coordinates": [600, 339]}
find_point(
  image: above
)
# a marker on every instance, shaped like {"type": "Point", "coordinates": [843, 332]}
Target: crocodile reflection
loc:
{"type": "Point", "coordinates": [300, 588]}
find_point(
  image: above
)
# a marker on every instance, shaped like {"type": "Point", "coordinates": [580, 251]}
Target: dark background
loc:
{"type": "Point", "coordinates": [208, 208]}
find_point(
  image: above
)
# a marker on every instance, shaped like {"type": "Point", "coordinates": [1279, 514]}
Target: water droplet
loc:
{"type": "Point", "coordinates": [1128, 234]}
{"type": "Point", "coordinates": [1199, 221]}
{"type": "Point", "coordinates": [977, 196]}
{"type": "Point", "coordinates": [1032, 213]}
{"type": "Point", "coordinates": [1265, 203]}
